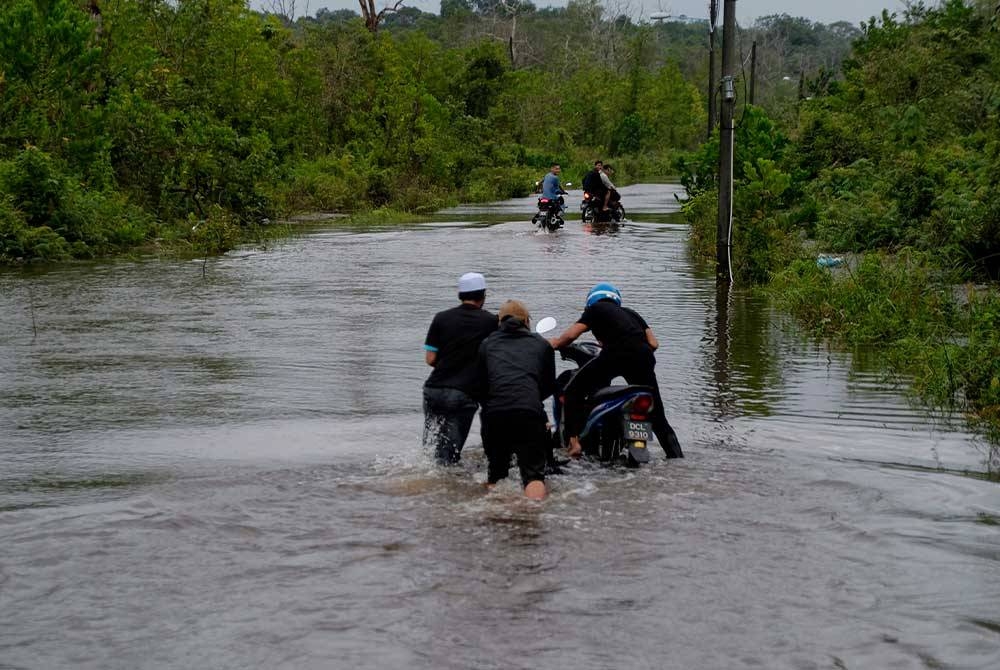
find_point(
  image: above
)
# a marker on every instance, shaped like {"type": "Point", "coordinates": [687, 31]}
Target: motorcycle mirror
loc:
{"type": "Point", "coordinates": [568, 184]}
{"type": "Point", "coordinates": [545, 325]}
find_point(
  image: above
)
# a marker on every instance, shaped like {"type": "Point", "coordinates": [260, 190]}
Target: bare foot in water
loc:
{"type": "Point", "coordinates": [574, 449]}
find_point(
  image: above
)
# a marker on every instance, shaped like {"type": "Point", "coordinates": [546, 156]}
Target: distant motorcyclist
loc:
{"type": "Point", "coordinates": [610, 192]}
{"type": "Point", "coordinates": [627, 346]}
{"type": "Point", "coordinates": [593, 183]}
{"type": "Point", "coordinates": [551, 188]}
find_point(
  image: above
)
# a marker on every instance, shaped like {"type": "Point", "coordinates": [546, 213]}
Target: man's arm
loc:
{"type": "Point", "coordinates": [569, 335]}
{"type": "Point", "coordinates": [651, 339]}
{"type": "Point", "coordinates": [547, 383]}
{"type": "Point", "coordinates": [607, 182]}
{"type": "Point", "coordinates": [432, 342]}
{"type": "Point", "coordinates": [481, 379]}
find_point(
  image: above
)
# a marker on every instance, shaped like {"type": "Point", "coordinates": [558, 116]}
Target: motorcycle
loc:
{"type": "Point", "coordinates": [618, 425]}
{"type": "Point", "coordinates": [549, 215]}
{"type": "Point", "coordinates": [590, 210]}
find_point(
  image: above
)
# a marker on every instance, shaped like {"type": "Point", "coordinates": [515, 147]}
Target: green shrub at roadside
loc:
{"type": "Point", "coordinates": [51, 216]}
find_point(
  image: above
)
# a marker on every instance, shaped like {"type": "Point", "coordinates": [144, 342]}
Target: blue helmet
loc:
{"type": "Point", "coordinates": [603, 291]}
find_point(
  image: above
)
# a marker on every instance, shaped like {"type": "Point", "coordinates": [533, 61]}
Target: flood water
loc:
{"type": "Point", "coordinates": [218, 465]}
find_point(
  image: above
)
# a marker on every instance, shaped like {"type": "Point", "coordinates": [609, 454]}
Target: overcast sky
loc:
{"type": "Point", "coordinates": [824, 11]}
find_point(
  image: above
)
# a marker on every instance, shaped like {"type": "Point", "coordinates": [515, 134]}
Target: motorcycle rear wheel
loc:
{"type": "Point", "coordinates": [608, 445]}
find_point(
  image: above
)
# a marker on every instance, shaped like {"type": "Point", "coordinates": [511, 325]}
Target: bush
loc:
{"type": "Point", "coordinates": [330, 183]}
{"type": "Point", "coordinates": [20, 242]}
{"type": "Point", "coordinates": [762, 237]}
{"type": "Point", "coordinates": [43, 204]}
{"type": "Point", "coordinates": [485, 184]}
{"type": "Point", "coordinates": [756, 137]}
{"type": "Point", "coordinates": [216, 233]}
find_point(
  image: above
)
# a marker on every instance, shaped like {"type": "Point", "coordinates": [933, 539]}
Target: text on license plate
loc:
{"type": "Point", "coordinates": [637, 430]}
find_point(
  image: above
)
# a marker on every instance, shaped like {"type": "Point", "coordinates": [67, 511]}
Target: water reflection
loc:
{"type": "Point", "coordinates": [723, 398]}
{"type": "Point", "coordinates": [743, 352]}
{"type": "Point", "coordinates": [594, 228]}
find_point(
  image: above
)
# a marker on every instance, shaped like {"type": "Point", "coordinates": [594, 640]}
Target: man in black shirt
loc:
{"type": "Point", "coordinates": [516, 372]}
{"type": "Point", "coordinates": [594, 185]}
{"type": "Point", "coordinates": [627, 346]}
{"type": "Point", "coordinates": [450, 348]}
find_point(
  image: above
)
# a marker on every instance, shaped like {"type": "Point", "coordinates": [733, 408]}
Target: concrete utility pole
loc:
{"type": "Point", "coordinates": [723, 259]}
{"type": "Point", "coordinates": [713, 17]}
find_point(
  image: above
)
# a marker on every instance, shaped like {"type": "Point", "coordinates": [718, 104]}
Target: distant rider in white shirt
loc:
{"type": "Point", "coordinates": [609, 186]}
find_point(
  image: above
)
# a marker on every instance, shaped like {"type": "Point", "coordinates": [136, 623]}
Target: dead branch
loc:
{"type": "Point", "coordinates": [373, 18]}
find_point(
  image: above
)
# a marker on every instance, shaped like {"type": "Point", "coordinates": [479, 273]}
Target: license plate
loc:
{"type": "Point", "coordinates": [638, 430]}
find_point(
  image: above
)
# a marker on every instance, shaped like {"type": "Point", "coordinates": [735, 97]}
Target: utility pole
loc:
{"type": "Point", "coordinates": [713, 16]}
{"type": "Point", "coordinates": [723, 230]}
{"type": "Point", "coordinates": [753, 71]}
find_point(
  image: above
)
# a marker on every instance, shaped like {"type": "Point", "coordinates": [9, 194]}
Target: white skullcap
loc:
{"type": "Point", "coordinates": [471, 281]}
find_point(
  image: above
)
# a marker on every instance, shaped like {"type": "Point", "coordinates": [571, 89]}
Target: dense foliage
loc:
{"type": "Point", "coordinates": [127, 121]}
{"type": "Point", "coordinates": [131, 122]}
{"type": "Point", "coordinates": [896, 166]}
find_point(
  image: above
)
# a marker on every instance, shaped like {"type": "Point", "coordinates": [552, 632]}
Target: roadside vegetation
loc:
{"type": "Point", "coordinates": [190, 124]}
{"type": "Point", "coordinates": [894, 167]}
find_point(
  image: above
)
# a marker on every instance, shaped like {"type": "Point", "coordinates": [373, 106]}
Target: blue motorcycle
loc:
{"type": "Point", "coordinates": [618, 427]}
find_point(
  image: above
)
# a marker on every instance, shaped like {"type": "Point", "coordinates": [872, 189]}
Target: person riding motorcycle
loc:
{"type": "Point", "coordinates": [593, 183]}
{"type": "Point", "coordinates": [551, 188]}
{"type": "Point", "coordinates": [627, 346]}
{"type": "Point", "coordinates": [611, 193]}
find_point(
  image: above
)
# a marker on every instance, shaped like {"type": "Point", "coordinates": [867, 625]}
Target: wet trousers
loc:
{"type": "Point", "coordinates": [448, 417]}
{"type": "Point", "coordinates": [637, 367]}
{"type": "Point", "coordinates": [515, 432]}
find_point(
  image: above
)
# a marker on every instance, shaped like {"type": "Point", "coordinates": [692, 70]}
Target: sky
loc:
{"type": "Point", "coordinates": [823, 11]}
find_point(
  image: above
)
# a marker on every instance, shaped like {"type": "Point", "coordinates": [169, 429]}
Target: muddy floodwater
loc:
{"type": "Point", "coordinates": [218, 465]}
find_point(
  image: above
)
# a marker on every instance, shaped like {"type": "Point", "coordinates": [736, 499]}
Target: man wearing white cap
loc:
{"type": "Point", "coordinates": [451, 348]}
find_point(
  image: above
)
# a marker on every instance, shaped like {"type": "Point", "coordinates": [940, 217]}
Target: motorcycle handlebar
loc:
{"type": "Point", "coordinates": [579, 352]}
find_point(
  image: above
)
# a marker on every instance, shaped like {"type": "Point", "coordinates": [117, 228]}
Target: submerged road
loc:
{"type": "Point", "coordinates": [224, 470]}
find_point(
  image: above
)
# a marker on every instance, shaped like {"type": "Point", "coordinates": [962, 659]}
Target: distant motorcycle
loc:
{"type": "Point", "coordinates": [591, 210]}
{"type": "Point", "coordinates": [549, 216]}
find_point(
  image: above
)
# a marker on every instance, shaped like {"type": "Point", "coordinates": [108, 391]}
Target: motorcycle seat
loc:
{"type": "Point", "coordinates": [612, 392]}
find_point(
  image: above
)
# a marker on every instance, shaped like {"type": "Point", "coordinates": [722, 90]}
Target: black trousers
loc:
{"type": "Point", "coordinates": [515, 432]}
{"type": "Point", "coordinates": [448, 417]}
{"type": "Point", "coordinates": [637, 367]}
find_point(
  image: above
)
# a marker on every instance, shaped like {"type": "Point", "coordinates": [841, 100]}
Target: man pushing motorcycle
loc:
{"type": "Point", "coordinates": [515, 373]}
{"type": "Point", "coordinates": [627, 346]}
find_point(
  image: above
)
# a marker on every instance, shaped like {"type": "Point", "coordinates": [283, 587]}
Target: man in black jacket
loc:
{"type": "Point", "coordinates": [516, 372]}
{"type": "Point", "coordinates": [594, 185]}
